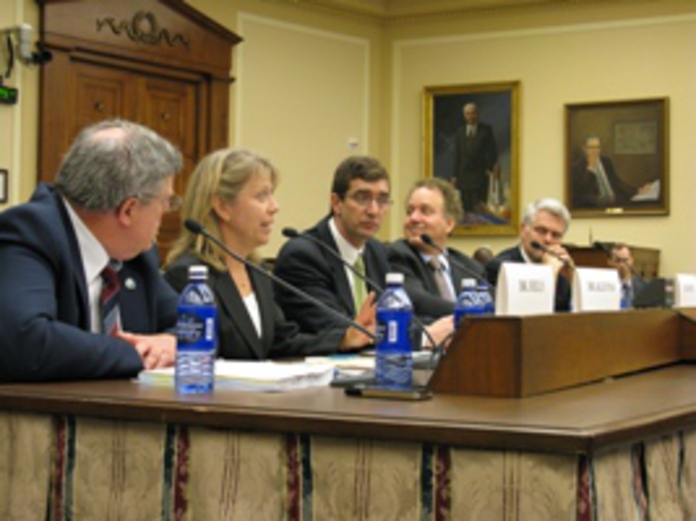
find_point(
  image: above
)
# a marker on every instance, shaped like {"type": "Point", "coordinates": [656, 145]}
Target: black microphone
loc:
{"type": "Point", "coordinates": [292, 233]}
{"type": "Point", "coordinates": [427, 239]}
{"type": "Point", "coordinates": [538, 246]}
{"type": "Point", "coordinates": [196, 228]}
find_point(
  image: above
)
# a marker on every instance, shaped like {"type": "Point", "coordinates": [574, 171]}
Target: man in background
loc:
{"type": "Point", "coordinates": [475, 161]}
{"type": "Point", "coordinates": [632, 284]}
{"type": "Point", "coordinates": [80, 291]}
{"type": "Point", "coordinates": [544, 223]}
{"type": "Point", "coordinates": [432, 275]}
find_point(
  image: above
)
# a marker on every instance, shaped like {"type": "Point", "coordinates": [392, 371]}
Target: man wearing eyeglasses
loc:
{"type": "Point", "coordinates": [632, 284]}
{"type": "Point", "coordinates": [359, 202]}
{"type": "Point", "coordinates": [81, 296]}
{"type": "Point", "coordinates": [544, 223]}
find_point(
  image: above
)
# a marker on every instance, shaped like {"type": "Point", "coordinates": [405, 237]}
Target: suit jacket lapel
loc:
{"type": "Point", "coordinates": [336, 267]}
{"type": "Point", "coordinates": [232, 304]}
{"type": "Point", "coordinates": [264, 297]}
{"type": "Point", "coordinates": [78, 270]}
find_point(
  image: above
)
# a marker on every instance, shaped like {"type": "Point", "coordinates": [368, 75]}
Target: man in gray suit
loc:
{"type": "Point", "coordinates": [432, 278]}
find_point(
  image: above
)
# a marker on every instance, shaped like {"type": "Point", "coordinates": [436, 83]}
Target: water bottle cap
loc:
{"type": "Point", "coordinates": [198, 272]}
{"type": "Point", "coordinates": [395, 278]}
{"type": "Point", "coordinates": [468, 283]}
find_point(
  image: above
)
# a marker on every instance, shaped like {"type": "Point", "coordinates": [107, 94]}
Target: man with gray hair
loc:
{"type": "Point", "coordinates": [81, 295]}
{"type": "Point", "coordinates": [544, 224]}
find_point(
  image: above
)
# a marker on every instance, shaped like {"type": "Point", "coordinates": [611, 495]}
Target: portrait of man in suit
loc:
{"type": "Point", "coordinates": [471, 143]}
{"type": "Point", "coordinates": [597, 184]}
{"type": "Point", "coordinates": [617, 158]}
{"type": "Point", "coordinates": [475, 160]}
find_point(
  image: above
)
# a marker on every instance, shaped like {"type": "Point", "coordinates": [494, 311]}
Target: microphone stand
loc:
{"type": "Point", "coordinates": [428, 240]}
{"type": "Point", "coordinates": [291, 233]}
{"type": "Point", "coordinates": [198, 229]}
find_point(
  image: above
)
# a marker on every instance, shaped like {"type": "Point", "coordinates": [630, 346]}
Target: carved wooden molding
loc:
{"type": "Point", "coordinates": [143, 28]}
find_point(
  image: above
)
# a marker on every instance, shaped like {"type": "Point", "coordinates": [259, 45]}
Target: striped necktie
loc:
{"type": "Point", "coordinates": [443, 288]}
{"type": "Point", "coordinates": [108, 300]}
{"type": "Point", "coordinates": [359, 290]}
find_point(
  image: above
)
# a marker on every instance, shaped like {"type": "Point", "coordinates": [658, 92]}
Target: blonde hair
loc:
{"type": "Point", "coordinates": [221, 174]}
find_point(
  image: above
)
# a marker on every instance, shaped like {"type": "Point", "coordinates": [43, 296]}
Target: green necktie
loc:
{"type": "Point", "coordinates": [359, 290]}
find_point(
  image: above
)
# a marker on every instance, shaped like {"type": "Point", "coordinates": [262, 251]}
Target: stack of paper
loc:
{"type": "Point", "coordinates": [253, 376]}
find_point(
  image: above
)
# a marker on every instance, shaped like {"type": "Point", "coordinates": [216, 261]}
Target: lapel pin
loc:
{"type": "Point", "coordinates": [130, 284]}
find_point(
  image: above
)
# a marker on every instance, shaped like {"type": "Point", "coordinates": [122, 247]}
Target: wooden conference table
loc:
{"type": "Point", "coordinates": [622, 448]}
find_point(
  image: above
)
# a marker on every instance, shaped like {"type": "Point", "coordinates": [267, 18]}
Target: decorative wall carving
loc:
{"type": "Point", "coordinates": [143, 28]}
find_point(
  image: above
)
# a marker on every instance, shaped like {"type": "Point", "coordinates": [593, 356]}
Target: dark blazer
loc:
{"type": "Point", "coordinates": [562, 298]}
{"type": "Point", "coordinates": [586, 188]}
{"type": "Point", "coordinates": [237, 334]}
{"type": "Point", "coordinates": [44, 309]}
{"type": "Point", "coordinates": [419, 280]}
{"type": "Point", "coordinates": [474, 156]}
{"type": "Point", "coordinates": [315, 271]}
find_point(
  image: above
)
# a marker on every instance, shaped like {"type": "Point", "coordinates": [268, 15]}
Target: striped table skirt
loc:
{"type": "Point", "coordinates": [65, 467]}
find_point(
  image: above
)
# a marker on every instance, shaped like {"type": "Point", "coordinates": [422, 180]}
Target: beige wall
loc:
{"type": "Point", "coordinates": [18, 123]}
{"type": "Point", "coordinates": [615, 60]}
{"type": "Point", "coordinates": [308, 81]}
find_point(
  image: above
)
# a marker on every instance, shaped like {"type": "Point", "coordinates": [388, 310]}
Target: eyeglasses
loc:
{"type": "Point", "coordinates": [543, 231]}
{"type": "Point", "coordinates": [170, 203]}
{"type": "Point", "coordinates": [365, 199]}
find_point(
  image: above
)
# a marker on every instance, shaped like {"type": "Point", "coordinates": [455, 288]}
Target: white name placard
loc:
{"type": "Point", "coordinates": [596, 289]}
{"type": "Point", "coordinates": [685, 290]}
{"type": "Point", "coordinates": [524, 289]}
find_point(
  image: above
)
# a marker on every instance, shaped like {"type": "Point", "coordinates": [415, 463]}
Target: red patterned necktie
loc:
{"type": "Point", "coordinates": [110, 314]}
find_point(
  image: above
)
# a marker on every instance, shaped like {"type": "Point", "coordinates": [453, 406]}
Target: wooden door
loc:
{"type": "Point", "coordinates": [160, 63]}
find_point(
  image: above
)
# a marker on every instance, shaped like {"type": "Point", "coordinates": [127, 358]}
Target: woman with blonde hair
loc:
{"type": "Point", "coordinates": [230, 194]}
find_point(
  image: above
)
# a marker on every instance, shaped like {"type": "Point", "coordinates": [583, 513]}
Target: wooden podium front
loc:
{"type": "Point", "coordinates": [519, 356]}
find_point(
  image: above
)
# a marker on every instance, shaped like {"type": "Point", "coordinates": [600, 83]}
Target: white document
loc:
{"type": "Point", "coordinates": [651, 194]}
{"type": "Point", "coordinates": [596, 289]}
{"type": "Point", "coordinates": [254, 376]}
{"type": "Point", "coordinates": [685, 290]}
{"type": "Point", "coordinates": [524, 289]}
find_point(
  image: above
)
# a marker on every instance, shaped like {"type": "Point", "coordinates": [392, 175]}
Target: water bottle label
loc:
{"type": "Point", "coordinates": [210, 329]}
{"type": "Point", "coordinates": [392, 331]}
{"type": "Point", "coordinates": [196, 327]}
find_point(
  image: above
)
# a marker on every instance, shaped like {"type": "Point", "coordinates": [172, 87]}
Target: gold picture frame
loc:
{"type": "Point", "coordinates": [487, 174]}
{"type": "Point", "coordinates": [617, 158]}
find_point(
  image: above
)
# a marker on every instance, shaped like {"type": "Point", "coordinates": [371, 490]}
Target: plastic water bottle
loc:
{"type": "Point", "coordinates": [469, 301]}
{"type": "Point", "coordinates": [196, 335]}
{"type": "Point", "coordinates": [394, 353]}
{"type": "Point", "coordinates": [485, 298]}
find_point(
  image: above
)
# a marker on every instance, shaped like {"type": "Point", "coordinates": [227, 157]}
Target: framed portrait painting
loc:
{"type": "Point", "coordinates": [471, 140]}
{"type": "Point", "coordinates": [617, 156]}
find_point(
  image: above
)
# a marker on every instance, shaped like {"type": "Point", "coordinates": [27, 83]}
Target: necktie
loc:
{"type": "Point", "coordinates": [606, 194]}
{"type": "Point", "coordinates": [628, 294]}
{"type": "Point", "coordinates": [359, 290]}
{"type": "Point", "coordinates": [108, 301]}
{"type": "Point", "coordinates": [439, 272]}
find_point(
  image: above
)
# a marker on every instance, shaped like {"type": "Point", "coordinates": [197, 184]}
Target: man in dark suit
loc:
{"type": "Point", "coordinates": [432, 279]}
{"type": "Point", "coordinates": [475, 160]}
{"type": "Point", "coordinates": [359, 201]}
{"type": "Point", "coordinates": [105, 210]}
{"type": "Point", "coordinates": [545, 222]}
{"type": "Point", "coordinates": [631, 283]}
{"type": "Point", "coordinates": [595, 181]}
